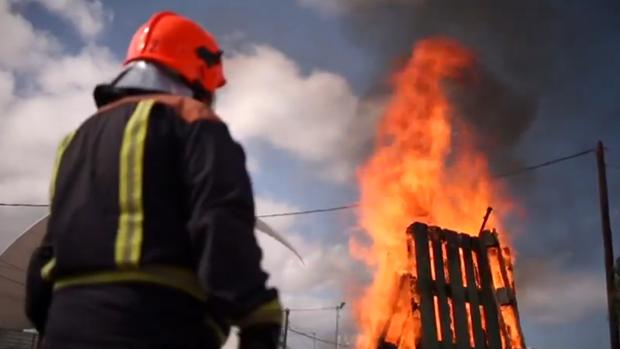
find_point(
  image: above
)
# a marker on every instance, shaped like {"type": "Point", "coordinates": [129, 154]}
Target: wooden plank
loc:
{"type": "Point", "coordinates": [386, 345]}
{"type": "Point", "coordinates": [411, 282]}
{"type": "Point", "coordinates": [388, 323]}
{"type": "Point", "coordinates": [472, 292]}
{"type": "Point", "coordinates": [515, 306]}
{"type": "Point", "coordinates": [488, 296]}
{"type": "Point", "coordinates": [427, 306]}
{"type": "Point", "coordinates": [440, 284]}
{"type": "Point", "coordinates": [490, 243]}
{"type": "Point", "coordinates": [457, 290]}
{"type": "Point", "coordinates": [510, 292]}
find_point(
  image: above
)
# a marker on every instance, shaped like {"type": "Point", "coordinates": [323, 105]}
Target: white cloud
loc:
{"type": "Point", "coordinates": [316, 116]}
{"type": "Point", "coordinates": [325, 264]}
{"type": "Point", "coordinates": [44, 93]}
{"type": "Point", "coordinates": [88, 17]}
{"type": "Point", "coordinates": [340, 6]}
{"type": "Point", "coordinates": [269, 206]}
{"type": "Point", "coordinates": [233, 341]}
{"type": "Point", "coordinates": [269, 100]}
{"type": "Point", "coordinates": [317, 284]}
{"type": "Point", "coordinates": [79, 72]}
{"type": "Point", "coordinates": [22, 47]}
{"type": "Point", "coordinates": [34, 123]}
{"type": "Point", "coordinates": [328, 276]}
{"type": "Point", "coordinates": [7, 85]}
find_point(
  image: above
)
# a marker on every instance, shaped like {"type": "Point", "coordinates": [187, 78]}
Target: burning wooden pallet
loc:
{"type": "Point", "coordinates": [461, 293]}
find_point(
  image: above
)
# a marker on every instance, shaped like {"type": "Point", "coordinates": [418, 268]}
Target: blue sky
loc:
{"type": "Point", "coordinates": [312, 40]}
{"type": "Point", "coordinates": [296, 163]}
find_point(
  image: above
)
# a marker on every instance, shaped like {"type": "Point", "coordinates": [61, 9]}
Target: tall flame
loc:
{"type": "Point", "coordinates": [424, 168]}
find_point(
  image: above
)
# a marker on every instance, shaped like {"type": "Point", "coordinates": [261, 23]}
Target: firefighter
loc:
{"type": "Point", "coordinates": [150, 241]}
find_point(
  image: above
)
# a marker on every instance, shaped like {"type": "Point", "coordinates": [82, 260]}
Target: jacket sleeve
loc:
{"type": "Point", "coordinates": [221, 227]}
{"type": "Point", "coordinates": [38, 290]}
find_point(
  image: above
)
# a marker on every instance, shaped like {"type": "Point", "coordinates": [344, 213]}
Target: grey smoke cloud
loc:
{"type": "Point", "coordinates": [520, 38]}
{"type": "Point", "coordinates": [515, 43]}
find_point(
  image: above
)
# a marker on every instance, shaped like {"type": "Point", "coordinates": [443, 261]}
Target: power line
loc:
{"type": "Point", "coordinates": [318, 210]}
{"type": "Point", "coordinates": [269, 215]}
{"type": "Point", "coordinates": [503, 175]}
{"type": "Point", "coordinates": [544, 164]}
{"type": "Point", "coordinates": [354, 205]}
{"type": "Point", "coordinates": [313, 309]}
{"type": "Point", "coordinates": [313, 337]}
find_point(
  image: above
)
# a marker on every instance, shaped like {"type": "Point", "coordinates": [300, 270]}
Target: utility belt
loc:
{"type": "Point", "coordinates": [182, 279]}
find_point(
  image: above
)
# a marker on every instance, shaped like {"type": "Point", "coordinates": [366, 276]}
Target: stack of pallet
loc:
{"type": "Point", "coordinates": [461, 293]}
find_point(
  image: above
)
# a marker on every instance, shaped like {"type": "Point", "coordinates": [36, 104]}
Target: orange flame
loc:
{"type": "Point", "coordinates": [419, 173]}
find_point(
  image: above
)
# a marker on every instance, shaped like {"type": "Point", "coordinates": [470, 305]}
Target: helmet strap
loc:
{"type": "Point", "coordinates": [201, 93]}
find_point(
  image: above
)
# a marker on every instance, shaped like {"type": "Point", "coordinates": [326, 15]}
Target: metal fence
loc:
{"type": "Point", "coordinates": [16, 339]}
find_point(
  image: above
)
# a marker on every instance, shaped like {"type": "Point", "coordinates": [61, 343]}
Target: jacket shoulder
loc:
{"type": "Point", "coordinates": [186, 108]}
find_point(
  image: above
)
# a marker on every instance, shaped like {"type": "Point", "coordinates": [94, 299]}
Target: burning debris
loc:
{"type": "Point", "coordinates": [425, 167]}
{"type": "Point", "coordinates": [459, 291]}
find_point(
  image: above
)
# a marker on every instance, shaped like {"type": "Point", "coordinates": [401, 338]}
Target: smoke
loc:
{"type": "Point", "coordinates": [519, 38]}
{"type": "Point", "coordinates": [515, 42]}
{"type": "Point", "coordinates": [497, 113]}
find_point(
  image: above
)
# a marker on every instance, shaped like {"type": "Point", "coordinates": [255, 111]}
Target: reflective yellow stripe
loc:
{"type": "Point", "coordinates": [59, 153]}
{"type": "Point", "coordinates": [129, 236]}
{"type": "Point", "coordinates": [268, 313]}
{"type": "Point", "coordinates": [221, 336]}
{"type": "Point", "coordinates": [173, 277]}
{"type": "Point", "coordinates": [46, 271]}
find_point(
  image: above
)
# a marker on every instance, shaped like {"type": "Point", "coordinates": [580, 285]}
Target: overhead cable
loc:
{"type": "Point", "coordinates": [313, 337]}
{"type": "Point", "coordinates": [354, 205]}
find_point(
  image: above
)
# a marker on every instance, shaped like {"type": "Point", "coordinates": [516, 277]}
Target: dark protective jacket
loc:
{"type": "Point", "coordinates": [150, 242]}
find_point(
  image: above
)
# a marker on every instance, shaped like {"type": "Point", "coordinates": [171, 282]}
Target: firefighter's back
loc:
{"type": "Point", "coordinates": [150, 241]}
{"type": "Point", "coordinates": [119, 212]}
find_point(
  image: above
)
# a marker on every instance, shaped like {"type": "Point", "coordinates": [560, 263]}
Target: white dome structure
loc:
{"type": "Point", "coordinates": [13, 265]}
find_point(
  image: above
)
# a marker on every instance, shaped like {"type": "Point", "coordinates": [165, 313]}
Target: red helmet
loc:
{"type": "Point", "coordinates": [182, 46]}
